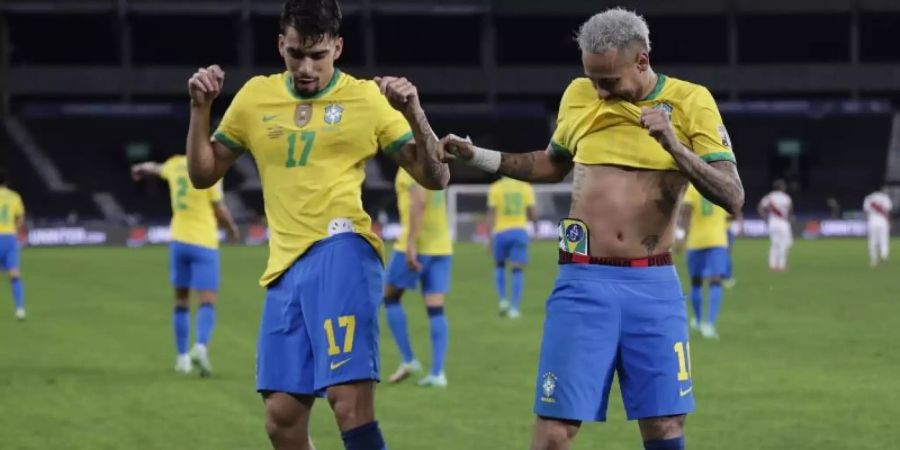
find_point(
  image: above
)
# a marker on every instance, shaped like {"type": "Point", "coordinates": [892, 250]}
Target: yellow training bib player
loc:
{"type": "Point", "coordinates": [193, 252]}
{"type": "Point", "coordinates": [510, 199]}
{"type": "Point", "coordinates": [11, 208]}
{"type": "Point", "coordinates": [433, 243]}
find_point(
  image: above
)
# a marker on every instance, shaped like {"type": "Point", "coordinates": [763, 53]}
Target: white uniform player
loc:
{"type": "Point", "coordinates": [777, 207]}
{"type": "Point", "coordinates": [878, 206]}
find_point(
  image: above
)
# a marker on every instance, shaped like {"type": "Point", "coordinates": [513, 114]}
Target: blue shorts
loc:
{"type": "Point", "coordinates": [193, 266]}
{"type": "Point", "coordinates": [320, 319]}
{"type": "Point", "coordinates": [9, 252]}
{"type": "Point", "coordinates": [604, 319]}
{"type": "Point", "coordinates": [435, 274]}
{"type": "Point", "coordinates": [512, 246]}
{"type": "Point", "coordinates": [707, 262]}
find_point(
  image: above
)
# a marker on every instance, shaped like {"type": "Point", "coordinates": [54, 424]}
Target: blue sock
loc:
{"type": "Point", "coordinates": [500, 280]}
{"type": "Point", "coordinates": [438, 323]}
{"type": "Point", "coordinates": [715, 301]}
{"type": "Point", "coordinates": [366, 437]}
{"type": "Point", "coordinates": [665, 444]}
{"type": "Point", "coordinates": [396, 319]}
{"type": "Point", "coordinates": [18, 292]}
{"type": "Point", "coordinates": [181, 321]}
{"type": "Point", "coordinates": [697, 298]}
{"type": "Point", "coordinates": [206, 321]}
{"type": "Point", "coordinates": [517, 281]}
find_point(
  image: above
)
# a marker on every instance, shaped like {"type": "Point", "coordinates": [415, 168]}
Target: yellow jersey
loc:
{"type": "Point", "coordinates": [709, 223]}
{"type": "Point", "coordinates": [193, 219]}
{"type": "Point", "coordinates": [434, 238]}
{"type": "Point", "coordinates": [598, 131]}
{"type": "Point", "coordinates": [510, 200]}
{"type": "Point", "coordinates": [311, 152]}
{"type": "Point", "coordinates": [11, 208]}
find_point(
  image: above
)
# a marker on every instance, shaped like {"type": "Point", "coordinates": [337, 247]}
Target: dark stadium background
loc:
{"type": "Point", "coordinates": [809, 90]}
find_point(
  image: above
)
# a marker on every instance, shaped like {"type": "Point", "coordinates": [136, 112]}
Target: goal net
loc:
{"type": "Point", "coordinates": [467, 209]}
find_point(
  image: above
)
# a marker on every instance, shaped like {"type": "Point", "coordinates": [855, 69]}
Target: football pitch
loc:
{"type": "Point", "coordinates": [807, 359]}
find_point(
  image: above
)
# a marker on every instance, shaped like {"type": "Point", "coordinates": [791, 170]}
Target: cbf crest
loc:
{"type": "Point", "coordinates": [303, 114]}
{"type": "Point", "coordinates": [665, 107]}
{"type": "Point", "coordinates": [548, 387]}
{"type": "Point", "coordinates": [334, 112]}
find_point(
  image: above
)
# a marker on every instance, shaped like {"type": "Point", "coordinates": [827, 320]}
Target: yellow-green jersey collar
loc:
{"type": "Point", "coordinates": [289, 84]}
{"type": "Point", "coordinates": [660, 82]}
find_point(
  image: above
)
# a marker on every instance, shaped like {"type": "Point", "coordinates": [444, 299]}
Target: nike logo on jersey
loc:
{"type": "Point", "coordinates": [685, 391]}
{"type": "Point", "coordinates": [335, 365]}
{"type": "Point", "coordinates": [269, 117]}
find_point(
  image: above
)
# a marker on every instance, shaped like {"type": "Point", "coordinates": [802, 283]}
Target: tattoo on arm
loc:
{"type": "Point", "coordinates": [719, 181]}
{"type": "Point", "coordinates": [432, 169]}
{"type": "Point", "coordinates": [517, 165]}
{"type": "Point", "coordinates": [540, 166]}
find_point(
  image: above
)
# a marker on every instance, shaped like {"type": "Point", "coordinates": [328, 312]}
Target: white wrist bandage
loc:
{"type": "Point", "coordinates": [484, 159]}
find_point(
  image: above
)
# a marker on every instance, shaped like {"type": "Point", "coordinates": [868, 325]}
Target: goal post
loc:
{"type": "Point", "coordinates": [467, 210]}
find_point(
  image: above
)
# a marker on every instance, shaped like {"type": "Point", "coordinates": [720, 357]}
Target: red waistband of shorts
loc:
{"type": "Point", "coordinates": [662, 259]}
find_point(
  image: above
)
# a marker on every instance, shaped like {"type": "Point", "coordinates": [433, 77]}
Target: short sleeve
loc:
{"type": "Point", "coordinates": [707, 133]}
{"type": "Point", "coordinates": [19, 207]}
{"type": "Point", "coordinates": [233, 131]}
{"type": "Point", "coordinates": [572, 98]}
{"type": "Point", "coordinates": [529, 195]}
{"type": "Point", "coordinates": [391, 128]}
{"type": "Point", "coordinates": [493, 196]}
{"type": "Point", "coordinates": [690, 196]}
{"type": "Point", "coordinates": [165, 171]}
{"type": "Point", "coordinates": [216, 193]}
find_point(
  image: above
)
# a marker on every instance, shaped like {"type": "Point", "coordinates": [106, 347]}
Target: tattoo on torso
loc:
{"type": "Point", "coordinates": [580, 172]}
{"type": "Point", "coordinates": [650, 242]}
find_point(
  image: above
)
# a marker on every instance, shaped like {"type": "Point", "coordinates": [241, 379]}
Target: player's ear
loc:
{"type": "Point", "coordinates": [642, 59]}
{"type": "Point", "coordinates": [281, 45]}
{"type": "Point", "coordinates": [338, 47]}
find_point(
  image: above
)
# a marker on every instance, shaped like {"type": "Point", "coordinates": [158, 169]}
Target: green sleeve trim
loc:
{"type": "Point", "coordinates": [229, 143]}
{"type": "Point", "coordinates": [395, 146]}
{"type": "Point", "coordinates": [559, 150]}
{"type": "Point", "coordinates": [719, 156]}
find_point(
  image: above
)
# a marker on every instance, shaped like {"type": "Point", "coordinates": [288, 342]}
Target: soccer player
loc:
{"type": "Point", "coordinates": [422, 254]}
{"type": "Point", "coordinates": [311, 129]}
{"type": "Point", "coordinates": [193, 256]}
{"type": "Point", "coordinates": [777, 208]}
{"type": "Point", "coordinates": [878, 206]}
{"type": "Point", "coordinates": [706, 226]}
{"type": "Point", "coordinates": [12, 220]}
{"type": "Point", "coordinates": [510, 206]}
{"type": "Point", "coordinates": [635, 139]}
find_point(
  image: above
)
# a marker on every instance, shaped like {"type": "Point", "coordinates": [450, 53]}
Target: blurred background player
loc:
{"type": "Point", "coordinates": [878, 206]}
{"type": "Point", "coordinates": [12, 220]}
{"type": "Point", "coordinates": [310, 129]}
{"type": "Point", "coordinates": [422, 254]}
{"type": "Point", "coordinates": [777, 208]}
{"type": "Point", "coordinates": [510, 206]}
{"type": "Point", "coordinates": [706, 228]}
{"type": "Point", "coordinates": [193, 255]}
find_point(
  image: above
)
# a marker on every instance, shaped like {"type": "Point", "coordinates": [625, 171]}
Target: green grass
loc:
{"type": "Point", "coordinates": [807, 359]}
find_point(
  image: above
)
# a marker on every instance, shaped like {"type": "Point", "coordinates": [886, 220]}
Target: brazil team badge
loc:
{"type": "Point", "coordinates": [573, 236]}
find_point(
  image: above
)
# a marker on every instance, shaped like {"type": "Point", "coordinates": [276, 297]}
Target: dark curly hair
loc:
{"type": "Point", "coordinates": [313, 19]}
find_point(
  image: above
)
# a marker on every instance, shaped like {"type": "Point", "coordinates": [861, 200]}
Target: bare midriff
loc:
{"type": "Point", "coordinates": [630, 213]}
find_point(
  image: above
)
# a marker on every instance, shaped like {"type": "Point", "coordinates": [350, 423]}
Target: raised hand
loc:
{"type": "Point", "coordinates": [456, 147]}
{"type": "Point", "coordinates": [658, 122]}
{"type": "Point", "coordinates": [400, 92]}
{"type": "Point", "coordinates": [206, 84]}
